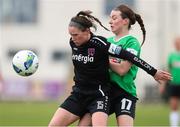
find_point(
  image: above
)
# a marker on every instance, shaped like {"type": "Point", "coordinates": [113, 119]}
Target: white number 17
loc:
{"type": "Point", "coordinates": [126, 104]}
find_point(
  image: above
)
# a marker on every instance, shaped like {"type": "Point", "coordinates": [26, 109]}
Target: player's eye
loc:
{"type": "Point", "coordinates": [74, 35]}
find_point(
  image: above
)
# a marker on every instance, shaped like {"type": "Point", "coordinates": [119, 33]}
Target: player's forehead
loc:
{"type": "Point", "coordinates": [115, 13]}
{"type": "Point", "coordinates": [74, 30]}
{"type": "Point", "coordinates": [178, 39]}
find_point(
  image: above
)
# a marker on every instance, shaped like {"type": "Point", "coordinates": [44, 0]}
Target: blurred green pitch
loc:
{"type": "Point", "coordinates": [40, 113]}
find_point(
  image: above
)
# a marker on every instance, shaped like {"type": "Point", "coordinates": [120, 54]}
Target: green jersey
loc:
{"type": "Point", "coordinates": [174, 67]}
{"type": "Point", "coordinates": [126, 82]}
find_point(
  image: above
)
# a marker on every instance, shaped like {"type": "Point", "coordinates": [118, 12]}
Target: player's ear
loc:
{"type": "Point", "coordinates": [126, 21]}
{"type": "Point", "coordinates": [87, 30]}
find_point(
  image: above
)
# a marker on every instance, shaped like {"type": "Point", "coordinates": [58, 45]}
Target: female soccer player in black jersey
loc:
{"type": "Point", "coordinates": [90, 56]}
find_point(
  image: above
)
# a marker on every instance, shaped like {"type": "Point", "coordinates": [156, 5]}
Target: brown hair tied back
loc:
{"type": "Point", "coordinates": [126, 12]}
{"type": "Point", "coordinates": [86, 20]}
{"type": "Point", "coordinates": [140, 21]}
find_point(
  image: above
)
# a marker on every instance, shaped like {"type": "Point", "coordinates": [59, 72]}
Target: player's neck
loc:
{"type": "Point", "coordinates": [120, 35]}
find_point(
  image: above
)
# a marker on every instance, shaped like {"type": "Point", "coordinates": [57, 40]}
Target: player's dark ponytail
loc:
{"type": "Point", "coordinates": [84, 20]}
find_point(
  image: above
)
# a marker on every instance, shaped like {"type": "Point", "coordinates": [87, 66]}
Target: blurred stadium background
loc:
{"type": "Point", "coordinates": [41, 26]}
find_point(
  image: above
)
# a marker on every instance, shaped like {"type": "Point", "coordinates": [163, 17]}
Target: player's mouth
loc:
{"type": "Point", "coordinates": [112, 27]}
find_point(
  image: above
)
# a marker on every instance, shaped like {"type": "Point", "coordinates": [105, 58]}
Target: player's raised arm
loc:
{"type": "Point", "coordinates": [117, 51]}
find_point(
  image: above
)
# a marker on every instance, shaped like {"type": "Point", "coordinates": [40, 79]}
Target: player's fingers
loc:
{"type": "Point", "coordinates": [165, 73]}
{"type": "Point", "coordinates": [167, 77]}
{"type": "Point", "coordinates": [164, 78]}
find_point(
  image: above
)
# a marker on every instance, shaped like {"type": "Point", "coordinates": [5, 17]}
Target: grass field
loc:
{"type": "Point", "coordinates": [39, 114]}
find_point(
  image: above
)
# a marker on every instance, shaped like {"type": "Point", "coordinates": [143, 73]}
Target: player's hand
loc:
{"type": "Point", "coordinates": [162, 76]}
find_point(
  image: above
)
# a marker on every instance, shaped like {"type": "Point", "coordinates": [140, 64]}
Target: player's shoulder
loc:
{"type": "Point", "coordinates": [99, 39]}
{"type": "Point", "coordinates": [173, 54]}
{"type": "Point", "coordinates": [131, 40]}
{"type": "Point", "coordinates": [110, 38]}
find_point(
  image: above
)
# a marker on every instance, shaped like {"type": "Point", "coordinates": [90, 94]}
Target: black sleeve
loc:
{"type": "Point", "coordinates": [117, 51]}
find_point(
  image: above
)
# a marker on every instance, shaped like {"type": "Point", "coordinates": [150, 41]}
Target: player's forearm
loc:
{"type": "Point", "coordinates": [117, 51]}
{"type": "Point", "coordinates": [120, 68]}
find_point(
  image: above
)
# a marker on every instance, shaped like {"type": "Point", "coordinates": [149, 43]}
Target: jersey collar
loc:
{"type": "Point", "coordinates": [120, 38]}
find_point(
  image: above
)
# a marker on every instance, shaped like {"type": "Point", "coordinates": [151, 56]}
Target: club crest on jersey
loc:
{"type": "Point", "coordinates": [91, 51]}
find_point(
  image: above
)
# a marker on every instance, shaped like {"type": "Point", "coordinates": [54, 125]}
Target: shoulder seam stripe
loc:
{"type": "Point", "coordinates": [100, 40]}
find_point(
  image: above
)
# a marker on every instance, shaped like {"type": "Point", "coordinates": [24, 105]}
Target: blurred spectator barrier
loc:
{"type": "Point", "coordinates": [25, 90]}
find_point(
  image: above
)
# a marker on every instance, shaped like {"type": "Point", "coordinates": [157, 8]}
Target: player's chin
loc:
{"type": "Point", "coordinates": [113, 30]}
{"type": "Point", "coordinates": [77, 44]}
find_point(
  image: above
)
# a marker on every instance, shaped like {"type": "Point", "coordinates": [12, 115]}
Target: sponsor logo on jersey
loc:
{"type": "Point", "coordinates": [176, 64]}
{"type": "Point", "coordinates": [91, 51]}
{"type": "Point", "coordinates": [114, 49]}
{"type": "Point", "coordinates": [133, 51]}
{"type": "Point", "coordinates": [84, 59]}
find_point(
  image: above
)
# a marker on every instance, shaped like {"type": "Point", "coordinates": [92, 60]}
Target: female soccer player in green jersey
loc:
{"type": "Point", "coordinates": [122, 72]}
{"type": "Point", "coordinates": [174, 84]}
